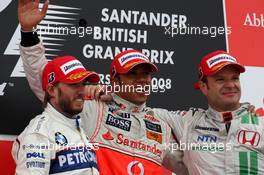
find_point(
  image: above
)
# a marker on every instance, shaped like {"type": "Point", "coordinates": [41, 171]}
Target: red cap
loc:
{"type": "Point", "coordinates": [66, 69]}
{"type": "Point", "coordinates": [215, 61]}
{"type": "Point", "coordinates": [126, 60]}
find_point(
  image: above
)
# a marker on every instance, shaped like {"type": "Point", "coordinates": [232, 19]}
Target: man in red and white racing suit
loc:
{"type": "Point", "coordinates": [132, 138]}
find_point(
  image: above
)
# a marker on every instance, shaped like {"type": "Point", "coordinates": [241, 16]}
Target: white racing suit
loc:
{"type": "Point", "coordinates": [212, 146]}
{"type": "Point", "coordinates": [54, 144]}
{"type": "Point", "coordinates": [132, 139]}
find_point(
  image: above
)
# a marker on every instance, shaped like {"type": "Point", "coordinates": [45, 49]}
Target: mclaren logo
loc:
{"type": "Point", "coordinates": [57, 16]}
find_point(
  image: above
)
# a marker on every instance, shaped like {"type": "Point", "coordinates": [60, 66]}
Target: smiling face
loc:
{"type": "Point", "coordinates": [139, 76]}
{"type": "Point", "coordinates": [223, 89]}
{"type": "Point", "coordinates": [68, 98]}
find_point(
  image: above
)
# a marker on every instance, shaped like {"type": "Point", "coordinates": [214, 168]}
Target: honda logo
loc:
{"type": "Point", "coordinates": [249, 137]}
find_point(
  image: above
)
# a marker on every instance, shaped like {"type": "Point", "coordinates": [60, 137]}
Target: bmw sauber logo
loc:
{"type": "Point", "coordinates": [60, 139]}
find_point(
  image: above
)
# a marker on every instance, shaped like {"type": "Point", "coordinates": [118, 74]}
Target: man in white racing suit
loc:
{"type": "Point", "coordinates": [54, 142]}
{"type": "Point", "coordinates": [225, 138]}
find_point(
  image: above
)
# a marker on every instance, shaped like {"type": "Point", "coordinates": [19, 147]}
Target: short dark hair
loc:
{"type": "Point", "coordinates": [47, 98]}
{"type": "Point", "coordinates": [204, 79]}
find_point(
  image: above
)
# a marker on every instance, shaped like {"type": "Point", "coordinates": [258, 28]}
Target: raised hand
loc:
{"type": "Point", "coordinates": [98, 92]}
{"type": "Point", "coordinates": [29, 14]}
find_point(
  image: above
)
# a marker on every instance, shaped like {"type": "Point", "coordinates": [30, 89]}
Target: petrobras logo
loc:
{"type": "Point", "coordinates": [4, 4]}
{"type": "Point", "coordinates": [118, 122]}
{"type": "Point", "coordinates": [71, 66]}
{"type": "Point", "coordinates": [132, 56]}
{"type": "Point", "coordinates": [73, 159]}
{"type": "Point", "coordinates": [251, 138]}
{"type": "Point", "coordinates": [76, 158]}
{"type": "Point", "coordinates": [220, 58]}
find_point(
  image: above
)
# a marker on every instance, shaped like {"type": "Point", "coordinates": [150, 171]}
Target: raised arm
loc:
{"type": "Point", "coordinates": [31, 49]}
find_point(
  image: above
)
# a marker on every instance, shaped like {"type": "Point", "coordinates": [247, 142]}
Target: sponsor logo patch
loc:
{"type": "Point", "coordinates": [120, 114]}
{"type": "Point", "coordinates": [138, 144]}
{"type": "Point", "coordinates": [69, 160]}
{"type": "Point", "coordinates": [71, 66]}
{"type": "Point", "coordinates": [246, 137]}
{"type": "Point", "coordinates": [51, 77]}
{"type": "Point", "coordinates": [131, 56]}
{"type": "Point", "coordinates": [207, 138]}
{"type": "Point", "coordinates": [33, 146]}
{"type": "Point", "coordinates": [153, 126]}
{"type": "Point", "coordinates": [205, 128]}
{"type": "Point", "coordinates": [135, 165]}
{"type": "Point", "coordinates": [154, 136]}
{"type": "Point", "coordinates": [118, 122]}
{"type": "Point", "coordinates": [60, 139]}
{"type": "Point", "coordinates": [220, 58]}
{"type": "Point", "coordinates": [35, 164]}
{"type": "Point", "coordinates": [35, 155]}
{"type": "Point", "coordinates": [151, 118]}
{"type": "Point", "coordinates": [108, 136]}
{"type": "Point", "coordinates": [227, 116]}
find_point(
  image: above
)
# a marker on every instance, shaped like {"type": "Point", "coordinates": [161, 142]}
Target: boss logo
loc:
{"type": "Point", "coordinates": [118, 122]}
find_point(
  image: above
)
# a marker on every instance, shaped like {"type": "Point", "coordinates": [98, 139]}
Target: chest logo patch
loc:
{"type": "Point", "coordinates": [60, 139]}
{"type": "Point", "coordinates": [246, 137]}
{"type": "Point", "coordinates": [118, 122]}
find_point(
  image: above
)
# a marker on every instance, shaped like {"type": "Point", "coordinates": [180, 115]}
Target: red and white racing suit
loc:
{"type": "Point", "coordinates": [132, 139]}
